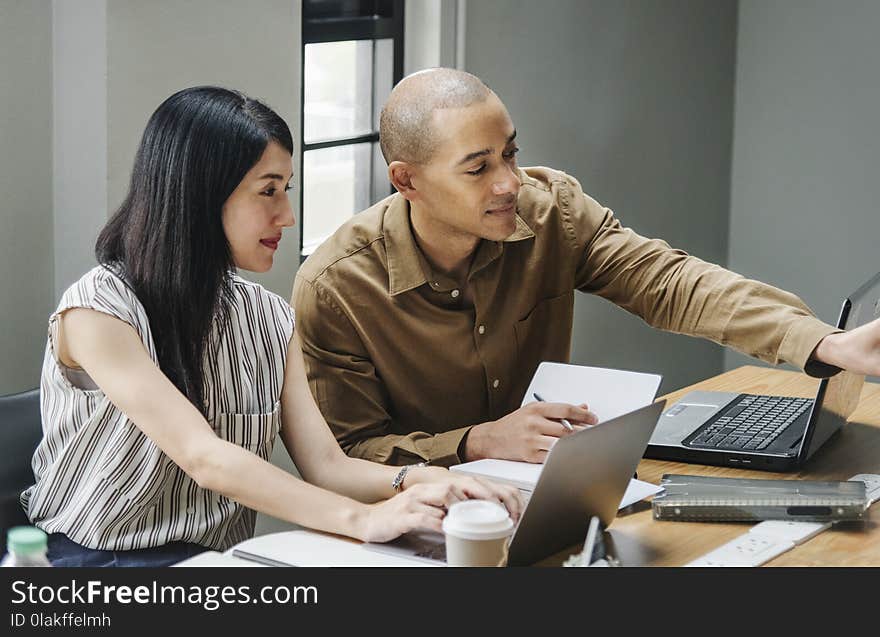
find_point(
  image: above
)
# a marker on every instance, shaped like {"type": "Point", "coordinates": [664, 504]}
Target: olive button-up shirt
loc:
{"type": "Point", "coordinates": [402, 364]}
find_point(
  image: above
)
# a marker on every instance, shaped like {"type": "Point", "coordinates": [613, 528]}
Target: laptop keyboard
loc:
{"type": "Point", "coordinates": [436, 551]}
{"type": "Point", "coordinates": [752, 423]}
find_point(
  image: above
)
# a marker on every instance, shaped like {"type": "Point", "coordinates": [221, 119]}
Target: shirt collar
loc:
{"type": "Point", "coordinates": [523, 231]}
{"type": "Point", "coordinates": [407, 266]}
{"type": "Point", "coordinates": [403, 255]}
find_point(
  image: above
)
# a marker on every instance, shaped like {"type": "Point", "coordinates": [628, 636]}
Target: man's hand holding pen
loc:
{"type": "Point", "coordinates": [528, 433]}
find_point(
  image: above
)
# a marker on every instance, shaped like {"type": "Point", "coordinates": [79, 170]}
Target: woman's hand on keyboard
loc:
{"type": "Point", "coordinates": [428, 492]}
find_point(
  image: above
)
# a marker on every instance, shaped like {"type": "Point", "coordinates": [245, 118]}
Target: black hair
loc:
{"type": "Point", "coordinates": [167, 240]}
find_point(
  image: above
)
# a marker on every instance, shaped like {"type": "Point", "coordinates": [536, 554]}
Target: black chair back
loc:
{"type": "Point", "coordinates": [20, 433]}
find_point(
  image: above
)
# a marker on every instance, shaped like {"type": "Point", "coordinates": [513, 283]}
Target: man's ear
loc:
{"type": "Point", "coordinates": [400, 174]}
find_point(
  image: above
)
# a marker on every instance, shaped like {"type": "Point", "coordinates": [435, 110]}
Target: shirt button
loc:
{"type": "Point", "coordinates": [495, 383]}
{"type": "Point", "coordinates": [190, 510]}
{"type": "Point", "coordinates": [482, 329]}
{"type": "Point", "coordinates": [435, 284]}
{"type": "Point", "coordinates": [455, 294]}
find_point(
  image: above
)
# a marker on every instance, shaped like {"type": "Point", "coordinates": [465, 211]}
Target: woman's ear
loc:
{"type": "Point", "coordinates": [400, 174]}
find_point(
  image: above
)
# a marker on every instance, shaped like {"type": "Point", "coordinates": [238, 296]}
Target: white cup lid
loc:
{"type": "Point", "coordinates": [477, 520]}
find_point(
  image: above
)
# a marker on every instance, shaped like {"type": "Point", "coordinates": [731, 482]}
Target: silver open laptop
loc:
{"type": "Point", "coordinates": [585, 475]}
{"type": "Point", "coordinates": [773, 433]}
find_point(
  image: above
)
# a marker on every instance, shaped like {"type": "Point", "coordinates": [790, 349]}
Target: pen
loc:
{"type": "Point", "coordinates": [565, 423]}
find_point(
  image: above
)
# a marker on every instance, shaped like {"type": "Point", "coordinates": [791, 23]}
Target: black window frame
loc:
{"type": "Point", "coordinates": [343, 21]}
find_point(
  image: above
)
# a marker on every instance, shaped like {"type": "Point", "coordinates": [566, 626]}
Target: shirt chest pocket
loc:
{"type": "Point", "coordinates": [254, 432]}
{"type": "Point", "coordinates": [544, 334]}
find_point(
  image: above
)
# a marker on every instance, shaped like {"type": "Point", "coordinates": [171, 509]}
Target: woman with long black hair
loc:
{"type": "Point", "coordinates": [167, 376]}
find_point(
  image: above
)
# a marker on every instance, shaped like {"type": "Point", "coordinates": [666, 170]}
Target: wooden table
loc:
{"type": "Point", "coordinates": [639, 540]}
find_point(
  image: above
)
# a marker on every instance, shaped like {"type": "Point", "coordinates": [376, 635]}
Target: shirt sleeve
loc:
{"type": "Point", "coordinates": [350, 393]}
{"type": "Point", "coordinates": [673, 291]}
{"type": "Point", "coordinates": [103, 291]}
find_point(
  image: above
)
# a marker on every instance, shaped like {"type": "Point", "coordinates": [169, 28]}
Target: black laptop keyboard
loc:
{"type": "Point", "coordinates": [752, 423]}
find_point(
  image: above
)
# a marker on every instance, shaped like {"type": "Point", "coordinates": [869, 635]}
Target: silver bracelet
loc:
{"type": "Point", "coordinates": [397, 483]}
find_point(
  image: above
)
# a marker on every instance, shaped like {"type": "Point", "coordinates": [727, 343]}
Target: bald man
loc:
{"type": "Point", "coordinates": [423, 318]}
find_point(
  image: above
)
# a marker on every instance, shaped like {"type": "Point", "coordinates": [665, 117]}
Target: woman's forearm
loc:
{"type": "Point", "coordinates": [368, 481]}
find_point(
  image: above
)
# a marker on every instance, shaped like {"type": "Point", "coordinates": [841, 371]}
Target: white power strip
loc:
{"type": "Point", "coordinates": [872, 485]}
{"type": "Point", "coordinates": [772, 538]}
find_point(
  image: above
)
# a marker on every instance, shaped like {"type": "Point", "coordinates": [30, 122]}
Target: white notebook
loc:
{"type": "Point", "coordinates": [609, 393]}
{"type": "Point", "coordinates": [303, 547]}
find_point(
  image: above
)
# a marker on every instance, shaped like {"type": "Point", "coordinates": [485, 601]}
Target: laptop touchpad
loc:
{"type": "Point", "coordinates": [678, 423]}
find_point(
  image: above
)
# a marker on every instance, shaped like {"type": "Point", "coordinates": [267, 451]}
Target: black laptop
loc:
{"type": "Point", "coordinates": [772, 433]}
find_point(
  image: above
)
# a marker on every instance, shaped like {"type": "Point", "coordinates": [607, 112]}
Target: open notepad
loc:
{"type": "Point", "coordinates": [609, 393]}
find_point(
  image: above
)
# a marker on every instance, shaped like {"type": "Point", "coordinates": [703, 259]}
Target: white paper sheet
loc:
{"type": "Point", "coordinates": [638, 490]}
{"type": "Point", "coordinates": [609, 393]}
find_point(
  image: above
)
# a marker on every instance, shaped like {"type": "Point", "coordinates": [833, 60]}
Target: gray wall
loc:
{"type": "Point", "coordinates": [805, 187]}
{"type": "Point", "coordinates": [155, 48]}
{"type": "Point", "coordinates": [429, 34]}
{"type": "Point", "coordinates": [80, 135]}
{"type": "Point", "coordinates": [634, 99]}
{"type": "Point", "coordinates": [25, 189]}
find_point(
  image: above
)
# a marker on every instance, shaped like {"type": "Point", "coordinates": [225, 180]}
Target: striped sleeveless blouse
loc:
{"type": "Point", "coordinates": [106, 485]}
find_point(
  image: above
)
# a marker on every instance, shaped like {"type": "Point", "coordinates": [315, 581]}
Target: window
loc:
{"type": "Point", "coordinates": [352, 57]}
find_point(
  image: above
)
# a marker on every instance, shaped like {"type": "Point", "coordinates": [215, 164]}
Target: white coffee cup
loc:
{"type": "Point", "coordinates": [477, 532]}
